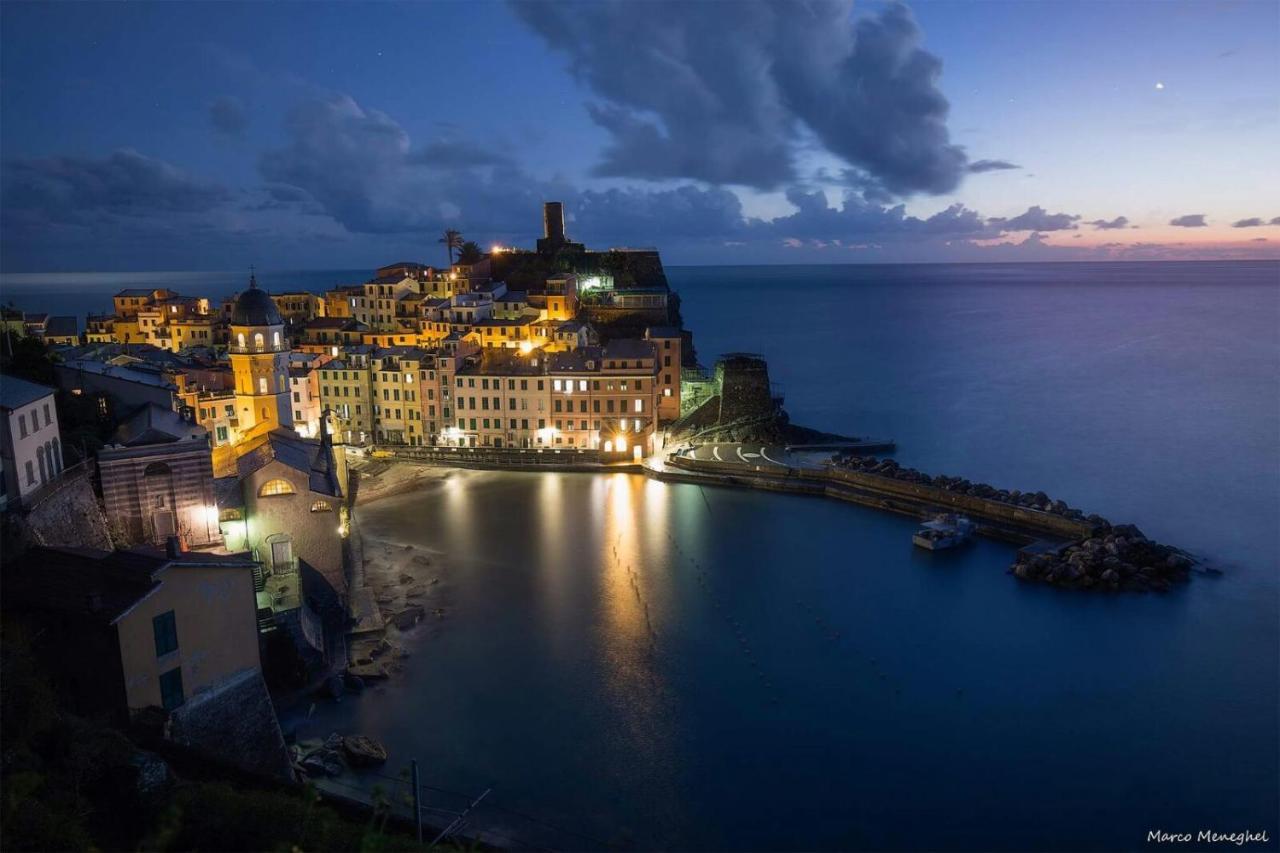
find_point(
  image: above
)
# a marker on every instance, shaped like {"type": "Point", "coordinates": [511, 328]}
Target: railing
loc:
{"type": "Point", "coordinates": [496, 455]}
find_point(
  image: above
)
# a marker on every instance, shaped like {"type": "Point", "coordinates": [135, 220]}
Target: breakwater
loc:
{"type": "Point", "coordinates": [1069, 549]}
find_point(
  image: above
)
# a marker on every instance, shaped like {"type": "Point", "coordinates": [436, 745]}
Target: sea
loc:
{"type": "Point", "coordinates": [628, 664]}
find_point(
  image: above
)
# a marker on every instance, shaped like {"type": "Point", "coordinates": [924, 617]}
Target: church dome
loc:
{"type": "Point", "coordinates": [254, 307]}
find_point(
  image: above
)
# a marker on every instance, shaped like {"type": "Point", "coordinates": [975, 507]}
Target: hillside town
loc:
{"type": "Point", "coordinates": [178, 491]}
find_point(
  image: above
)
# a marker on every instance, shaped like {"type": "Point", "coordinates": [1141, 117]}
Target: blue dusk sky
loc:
{"type": "Point", "coordinates": [160, 136]}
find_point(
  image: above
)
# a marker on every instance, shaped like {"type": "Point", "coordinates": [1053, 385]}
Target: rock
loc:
{"type": "Point", "coordinates": [364, 751]}
{"type": "Point", "coordinates": [1111, 576]}
{"type": "Point", "coordinates": [1129, 531]}
{"type": "Point", "coordinates": [406, 579]}
{"type": "Point", "coordinates": [333, 742]}
{"type": "Point", "coordinates": [368, 672]}
{"type": "Point", "coordinates": [409, 617]}
{"type": "Point", "coordinates": [421, 560]}
{"type": "Point", "coordinates": [354, 683]}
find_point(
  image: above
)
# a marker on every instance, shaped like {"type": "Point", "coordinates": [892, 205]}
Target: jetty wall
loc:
{"type": "Point", "coordinates": [993, 518]}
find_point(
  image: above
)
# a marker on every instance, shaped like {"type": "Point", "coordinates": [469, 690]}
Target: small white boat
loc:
{"type": "Point", "coordinates": [945, 531]}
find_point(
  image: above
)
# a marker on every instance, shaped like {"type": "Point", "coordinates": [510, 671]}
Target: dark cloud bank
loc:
{"type": "Point", "coordinates": [714, 93]}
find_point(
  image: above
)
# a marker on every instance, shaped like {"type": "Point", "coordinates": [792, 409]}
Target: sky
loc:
{"type": "Point", "coordinates": [166, 136]}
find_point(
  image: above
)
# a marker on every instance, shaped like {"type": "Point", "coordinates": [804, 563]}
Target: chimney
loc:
{"type": "Point", "coordinates": [172, 549]}
{"type": "Point", "coordinates": [553, 221]}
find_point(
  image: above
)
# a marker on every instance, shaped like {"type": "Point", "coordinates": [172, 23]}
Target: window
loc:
{"type": "Point", "coordinates": [22, 426]}
{"type": "Point", "coordinates": [47, 420]}
{"type": "Point", "coordinates": [31, 474]}
{"type": "Point", "coordinates": [171, 689]}
{"type": "Point", "coordinates": [165, 628]}
{"type": "Point", "coordinates": [275, 487]}
{"type": "Point", "coordinates": [222, 434]}
{"type": "Point", "coordinates": [258, 340]}
{"type": "Point", "coordinates": [262, 384]}
{"type": "Point", "coordinates": [321, 506]}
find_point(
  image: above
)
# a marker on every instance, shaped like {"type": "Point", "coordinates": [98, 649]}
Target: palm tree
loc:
{"type": "Point", "coordinates": [452, 240]}
{"type": "Point", "coordinates": [470, 253]}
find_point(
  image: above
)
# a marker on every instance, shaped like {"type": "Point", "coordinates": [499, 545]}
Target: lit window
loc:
{"type": "Point", "coordinates": [321, 506]}
{"type": "Point", "coordinates": [275, 487]}
{"type": "Point", "coordinates": [555, 385]}
{"type": "Point", "coordinates": [258, 340]}
{"type": "Point", "coordinates": [639, 405]}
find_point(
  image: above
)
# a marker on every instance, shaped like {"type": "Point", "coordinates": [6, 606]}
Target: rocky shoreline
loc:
{"type": "Point", "coordinates": [1116, 558]}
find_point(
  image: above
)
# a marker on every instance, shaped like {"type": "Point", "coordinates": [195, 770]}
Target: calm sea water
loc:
{"type": "Point", "coordinates": [665, 666]}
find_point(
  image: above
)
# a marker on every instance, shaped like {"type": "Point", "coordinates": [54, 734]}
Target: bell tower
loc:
{"type": "Point", "coordinates": [259, 354]}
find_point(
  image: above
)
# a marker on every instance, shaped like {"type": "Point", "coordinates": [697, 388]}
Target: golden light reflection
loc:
{"type": "Point", "coordinates": [634, 592]}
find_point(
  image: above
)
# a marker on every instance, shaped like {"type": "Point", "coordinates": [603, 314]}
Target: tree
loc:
{"type": "Point", "coordinates": [470, 253]}
{"type": "Point", "coordinates": [452, 239]}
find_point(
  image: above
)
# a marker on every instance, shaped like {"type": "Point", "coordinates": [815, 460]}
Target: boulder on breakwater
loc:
{"type": "Point", "coordinates": [1119, 559]}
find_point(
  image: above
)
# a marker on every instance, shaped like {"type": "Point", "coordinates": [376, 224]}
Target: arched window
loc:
{"type": "Point", "coordinates": [57, 454]}
{"type": "Point", "coordinates": [40, 460]}
{"type": "Point", "coordinates": [156, 468]}
{"type": "Point", "coordinates": [240, 340]}
{"type": "Point", "coordinates": [258, 340]}
{"type": "Point", "coordinates": [262, 384]}
{"type": "Point", "coordinates": [275, 487]}
{"type": "Point", "coordinates": [275, 340]}
{"type": "Point", "coordinates": [321, 506]}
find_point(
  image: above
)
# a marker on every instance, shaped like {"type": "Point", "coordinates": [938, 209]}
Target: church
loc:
{"type": "Point", "coordinates": [280, 496]}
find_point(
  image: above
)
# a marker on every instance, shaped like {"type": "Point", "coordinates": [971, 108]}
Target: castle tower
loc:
{"type": "Point", "coordinates": [259, 354]}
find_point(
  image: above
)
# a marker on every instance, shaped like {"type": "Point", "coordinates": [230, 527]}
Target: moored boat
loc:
{"type": "Point", "coordinates": [944, 531]}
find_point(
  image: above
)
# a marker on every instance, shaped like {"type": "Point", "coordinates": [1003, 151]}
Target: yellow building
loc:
{"type": "Point", "coordinates": [259, 354]}
{"type": "Point", "coordinates": [346, 388]}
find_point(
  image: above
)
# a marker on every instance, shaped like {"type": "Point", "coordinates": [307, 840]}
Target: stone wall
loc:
{"type": "Point", "coordinates": [744, 388]}
{"type": "Point", "coordinates": [66, 514]}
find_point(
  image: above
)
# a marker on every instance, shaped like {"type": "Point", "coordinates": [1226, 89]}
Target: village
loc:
{"type": "Point", "coordinates": [207, 553]}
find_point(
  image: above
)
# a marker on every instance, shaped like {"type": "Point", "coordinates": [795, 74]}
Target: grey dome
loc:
{"type": "Point", "coordinates": [255, 308]}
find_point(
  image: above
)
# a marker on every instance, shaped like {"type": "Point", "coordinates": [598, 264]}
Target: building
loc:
{"type": "Point", "coordinates": [62, 331]}
{"type": "Point", "coordinates": [119, 388]}
{"type": "Point", "coordinates": [130, 301]}
{"type": "Point", "coordinates": [259, 353]}
{"type": "Point", "coordinates": [304, 391]}
{"type": "Point", "coordinates": [291, 505]}
{"type": "Point", "coordinates": [30, 442]}
{"type": "Point", "coordinates": [157, 480]}
{"type": "Point", "coordinates": [126, 631]}
{"type": "Point", "coordinates": [346, 389]}
{"type": "Point", "coordinates": [669, 346]}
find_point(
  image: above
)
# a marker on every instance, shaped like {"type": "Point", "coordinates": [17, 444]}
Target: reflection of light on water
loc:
{"type": "Point", "coordinates": [552, 539]}
{"type": "Point", "coordinates": [631, 587]}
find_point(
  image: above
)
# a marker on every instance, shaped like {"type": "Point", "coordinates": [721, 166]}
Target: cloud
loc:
{"type": "Point", "coordinates": [83, 189]}
{"type": "Point", "coordinates": [452, 154]}
{"type": "Point", "coordinates": [727, 95]}
{"type": "Point", "coordinates": [1275, 221]}
{"type": "Point", "coordinates": [1110, 224]}
{"type": "Point", "coordinates": [1191, 220]}
{"type": "Point", "coordinates": [979, 166]}
{"type": "Point", "coordinates": [228, 116]}
{"type": "Point", "coordinates": [1036, 218]}
{"type": "Point", "coordinates": [1254, 222]}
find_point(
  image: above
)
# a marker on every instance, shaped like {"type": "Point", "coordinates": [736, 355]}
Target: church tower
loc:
{"type": "Point", "coordinates": [259, 355]}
